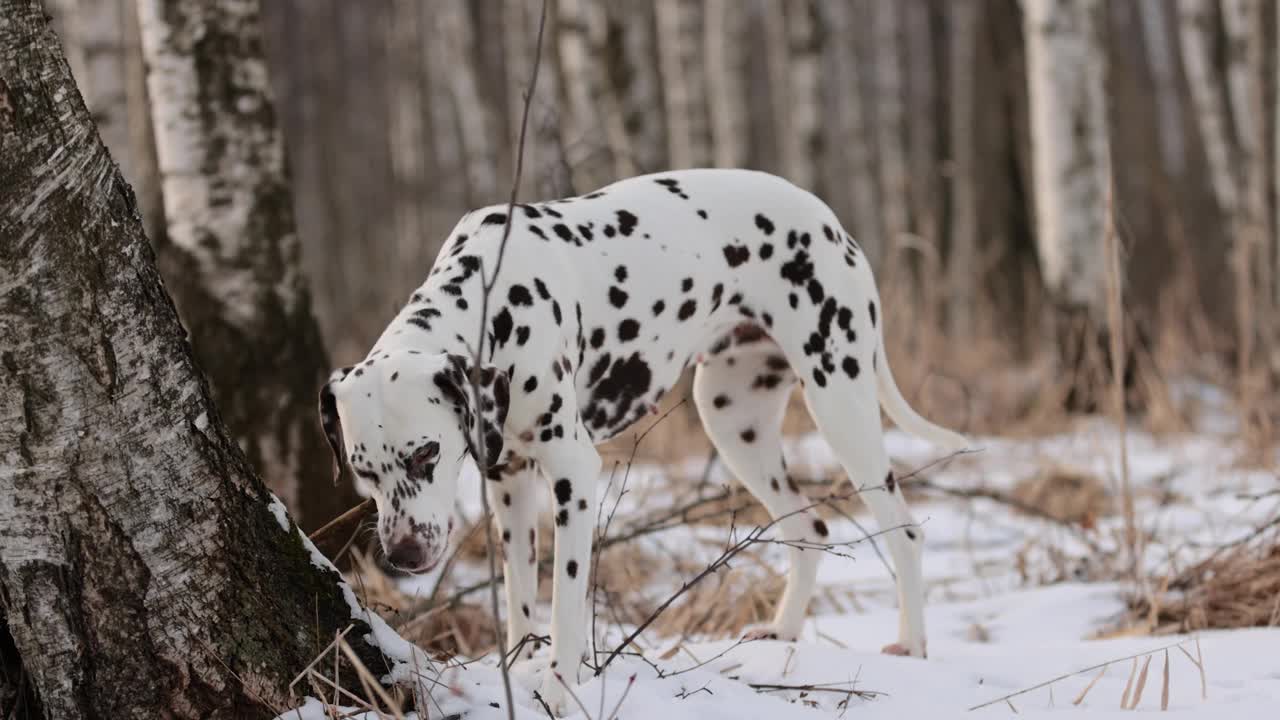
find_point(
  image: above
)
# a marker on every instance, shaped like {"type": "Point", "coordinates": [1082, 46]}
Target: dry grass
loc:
{"type": "Point", "coordinates": [1066, 494]}
{"type": "Point", "coordinates": [1239, 587]}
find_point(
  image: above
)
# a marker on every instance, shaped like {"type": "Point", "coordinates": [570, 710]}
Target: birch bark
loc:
{"type": "Point", "coordinates": [145, 570]}
{"type": "Point", "coordinates": [230, 249]}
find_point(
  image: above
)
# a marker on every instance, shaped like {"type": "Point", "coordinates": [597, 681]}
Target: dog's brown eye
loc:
{"type": "Point", "coordinates": [422, 462]}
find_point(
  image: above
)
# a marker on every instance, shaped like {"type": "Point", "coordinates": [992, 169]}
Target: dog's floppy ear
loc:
{"type": "Point", "coordinates": [493, 387]}
{"type": "Point", "coordinates": [330, 422]}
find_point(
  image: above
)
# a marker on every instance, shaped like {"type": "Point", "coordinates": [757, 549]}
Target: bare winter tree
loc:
{"type": "Point", "coordinates": [230, 239]}
{"type": "Point", "coordinates": [145, 570]}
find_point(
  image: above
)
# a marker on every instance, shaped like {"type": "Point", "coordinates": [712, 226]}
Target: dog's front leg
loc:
{"type": "Point", "coordinates": [572, 467]}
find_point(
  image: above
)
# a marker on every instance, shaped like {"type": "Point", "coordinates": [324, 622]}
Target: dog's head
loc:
{"type": "Point", "coordinates": [401, 423]}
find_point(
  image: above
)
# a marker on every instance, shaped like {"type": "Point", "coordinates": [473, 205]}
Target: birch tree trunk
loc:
{"type": "Point", "coordinates": [1069, 146]}
{"type": "Point", "coordinates": [923, 112]}
{"type": "Point", "coordinates": [891, 121]}
{"type": "Point", "coordinates": [679, 31]}
{"type": "Point", "coordinates": [456, 32]}
{"type": "Point", "coordinates": [230, 247]}
{"type": "Point", "coordinates": [723, 45]}
{"type": "Point", "coordinates": [962, 260]}
{"type": "Point", "coordinates": [853, 133]}
{"type": "Point", "coordinates": [1156, 35]}
{"type": "Point", "coordinates": [638, 84]}
{"type": "Point", "coordinates": [407, 135]}
{"type": "Point", "coordinates": [802, 93]}
{"type": "Point", "coordinates": [1196, 29]}
{"type": "Point", "coordinates": [146, 571]}
{"type": "Point", "coordinates": [546, 173]}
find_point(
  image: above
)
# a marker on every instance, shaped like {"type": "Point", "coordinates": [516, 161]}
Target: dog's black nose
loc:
{"type": "Point", "coordinates": [407, 555]}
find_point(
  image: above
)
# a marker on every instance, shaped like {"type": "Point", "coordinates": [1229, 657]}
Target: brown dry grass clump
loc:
{"type": "Point", "coordinates": [1065, 494]}
{"type": "Point", "coordinates": [1235, 588]}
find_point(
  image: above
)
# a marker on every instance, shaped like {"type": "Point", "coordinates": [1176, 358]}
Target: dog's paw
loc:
{"type": "Point", "coordinates": [904, 651]}
{"type": "Point", "coordinates": [554, 693]}
{"type": "Point", "coordinates": [767, 632]}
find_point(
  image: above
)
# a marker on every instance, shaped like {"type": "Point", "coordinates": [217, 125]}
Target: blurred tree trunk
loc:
{"type": "Point", "coordinates": [146, 571]}
{"type": "Point", "coordinates": [456, 32]}
{"type": "Point", "coordinates": [546, 172]}
{"type": "Point", "coordinates": [1157, 39]}
{"type": "Point", "coordinates": [1197, 25]}
{"type": "Point", "coordinates": [924, 121]}
{"type": "Point", "coordinates": [802, 98]}
{"type": "Point", "coordinates": [853, 176]}
{"type": "Point", "coordinates": [592, 132]}
{"type": "Point", "coordinates": [1071, 173]}
{"type": "Point", "coordinates": [964, 178]}
{"type": "Point", "coordinates": [1066, 71]}
{"type": "Point", "coordinates": [680, 38]}
{"type": "Point", "coordinates": [407, 134]}
{"type": "Point", "coordinates": [230, 251]}
{"type": "Point", "coordinates": [635, 77]}
{"type": "Point", "coordinates": [891, 122]}
{"type": "Point", "coordinates": [723, 45]}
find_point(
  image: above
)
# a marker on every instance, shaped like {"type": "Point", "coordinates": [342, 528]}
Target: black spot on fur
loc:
{"type": "Point", "coordinates": [597, 338]}
{"type": "Point", "coordinates": [620, 274]}
{"type": "Point", "coordinates": [519, 295]}
{"type": "Point", "coordinates": [850, 367]}
{"type": "Point", "coordinates": [819, 377]}
{"type": "Point", "coordinates": [494, 219]}
{"type": "Point", "coordinates": [764, 224]}
{"type": "Point", "coordinates": [541, 287]}
{"type": "Point", "coordinates": [562, 518]}
{"type": "Point", "coordinates": [522, 335]}
{"type": "Point", "coordinates": [658, 307]}
{"type": "Point", "coordinates": [531, 384]}
{"type": "Point", "coordinates": [564, 491]}
{"type": "Point", "coordinates": [686, 284]}
{"type": "Point", "coordinates": [572, 568]}
{"type": "Point", "coordinates": [889, 482]}
{"type": "Point", "coordinates": [735, 255]}
{"type": "Point", "coordinates": [773, 483]}
{"type": "Point", "coordinates": [720, 401]}
{"type": "Point", "coordinates": [871, 310]}
{"type": "Point", "coordinates": [748, 435]}
{"type": "Point", "coordinates": [555, 312]}
{"type": "Point", "coordinates": [702, 214]}
{"type": "Point", "coordinates": [794, 300]}
{"type": "Point", "coordinates": [628, 330]}
{"type": "Point", "coordinates": [617, 297]}
{"type": "Point", "coordinates": [502, 327]}
{"type": "Point", "coordinates": [820, 528]}
{"type": "Point", "coordinates": [687, 309]}
{"type": "Point", "coordinates": [911, 535]}
{"type": "Point", "coordinates": [626, 223]}
{"type": "Point", "coordinates": [798, 269]}
{"type": "Point", "coordinates": [766, 251]}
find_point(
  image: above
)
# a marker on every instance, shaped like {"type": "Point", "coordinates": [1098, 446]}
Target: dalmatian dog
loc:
{"type": "Point", "coordinates": [600, 302]}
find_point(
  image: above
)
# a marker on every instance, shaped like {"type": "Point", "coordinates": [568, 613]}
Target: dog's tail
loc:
{"type": "Point", "coordinates": [896, 407]}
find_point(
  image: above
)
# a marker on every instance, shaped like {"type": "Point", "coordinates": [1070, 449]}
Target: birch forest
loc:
{"type": "Point", "coordinates": [1072, 209]}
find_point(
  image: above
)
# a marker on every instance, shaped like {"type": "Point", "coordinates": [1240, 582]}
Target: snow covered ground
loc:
{"type": "Point", "coordinates": [1013, 602]}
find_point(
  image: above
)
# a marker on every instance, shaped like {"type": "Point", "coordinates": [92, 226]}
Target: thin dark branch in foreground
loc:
{"type": "Point", "coordinates": [481, 453]}
{"type": "Point", "coordinates": [751, 538]}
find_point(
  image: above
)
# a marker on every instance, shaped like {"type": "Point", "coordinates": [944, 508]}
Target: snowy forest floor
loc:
{"type": "Point", "coordinates": [1013, 600]}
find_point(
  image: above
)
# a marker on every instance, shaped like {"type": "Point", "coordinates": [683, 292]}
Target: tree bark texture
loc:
{"type": "Point", "coordinates": [231, 247]}
{"type": "Point", "coordinates": [1066, 70]}
{"type": "Point", "coordinates": [145, 571]}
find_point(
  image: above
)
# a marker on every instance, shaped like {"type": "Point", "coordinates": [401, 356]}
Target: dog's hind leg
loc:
{"type": "Point", "coordinates": [847, 413]}
{"type": "Point", "coordinates": [742, 398]}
